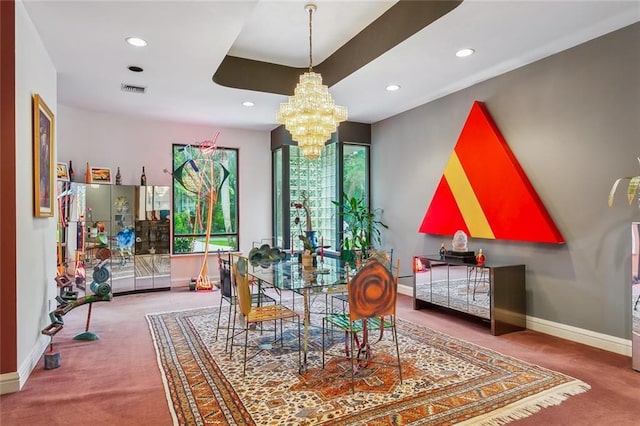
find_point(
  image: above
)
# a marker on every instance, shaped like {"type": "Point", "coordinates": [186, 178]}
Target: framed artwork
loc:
{"type": "Point", "coordinates": [100, 175]}
{"type": "Point", "coordinates": [43, 165]}
{"type": "Point", "coordinates": [62, 172]}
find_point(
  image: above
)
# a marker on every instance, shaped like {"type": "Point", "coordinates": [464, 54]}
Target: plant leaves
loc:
{"type": "Point", "coordinates": [613, 190]}
{"type": "Point", "coordinates": [634, 187]}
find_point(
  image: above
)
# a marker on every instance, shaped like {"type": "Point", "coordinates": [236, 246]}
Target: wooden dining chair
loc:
{"type": "Point", "coordinates": [372, 295]}
{"type": "Point", "coordinates": [254, 315]}
{"type": "Point", "coordinates": [228, 296]}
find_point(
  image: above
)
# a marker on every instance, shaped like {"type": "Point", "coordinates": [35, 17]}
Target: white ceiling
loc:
{"type": "Point", "coordinates": [189, 39]}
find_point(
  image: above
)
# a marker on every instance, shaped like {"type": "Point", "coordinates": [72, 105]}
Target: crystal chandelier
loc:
{"type": "Point", "coordinates": [311, 115]}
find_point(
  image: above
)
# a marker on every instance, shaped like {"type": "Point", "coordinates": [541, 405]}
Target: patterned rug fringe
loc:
{"type": "Point", "coordinates": [529, 406]}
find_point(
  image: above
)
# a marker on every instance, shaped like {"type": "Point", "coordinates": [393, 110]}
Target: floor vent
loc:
{"type": "Point", "coordinates": [132, 89]}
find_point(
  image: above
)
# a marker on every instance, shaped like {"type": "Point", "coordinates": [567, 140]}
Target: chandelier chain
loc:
{"type": "Point", "coordinates": [310, 39]}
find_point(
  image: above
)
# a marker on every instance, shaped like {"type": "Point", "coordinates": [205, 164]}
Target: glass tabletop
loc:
{"type": "Point", "coordinates": [290, 275]}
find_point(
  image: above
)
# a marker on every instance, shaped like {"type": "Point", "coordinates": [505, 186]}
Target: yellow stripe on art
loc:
{"type": "Point", "coordinates": [466, 199]}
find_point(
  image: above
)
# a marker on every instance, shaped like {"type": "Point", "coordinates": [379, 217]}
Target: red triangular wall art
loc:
{"type": "Point", "coordinates": [485, 192]}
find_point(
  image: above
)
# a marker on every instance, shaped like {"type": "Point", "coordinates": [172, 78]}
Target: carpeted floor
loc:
{"type": "Point", "coordinates": [445, 381]}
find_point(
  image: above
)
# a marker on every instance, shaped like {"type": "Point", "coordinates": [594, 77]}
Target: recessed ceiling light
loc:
{"type": "Point", "coordinates": [136, 41]}
{"type": "Point", "coordinates": [248, 103]}
{"type": "Point", "coordinates": [393, 87]}
{"type": "Point", "coordinates": [135, 68]}
{"type": "Point", "coordinates": [463, 53]}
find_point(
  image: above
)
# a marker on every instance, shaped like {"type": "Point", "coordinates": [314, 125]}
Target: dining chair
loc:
{"type": "Point", "coordinates": [257, 315]}
{"type": "Point", "coordinates": [228, 296]}
{"type": "Point", "coordinates": [371, 295]}
{"type": "Point", "coordinates": [383, 256]}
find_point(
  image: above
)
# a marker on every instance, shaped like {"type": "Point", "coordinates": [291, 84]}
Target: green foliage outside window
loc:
{"type": "Point", "coordinates": [354, 171]}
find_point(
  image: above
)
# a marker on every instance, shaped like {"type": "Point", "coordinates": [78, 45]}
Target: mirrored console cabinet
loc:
{"type": "Point", "coordinates": [132, 222]}
{"type": "Point", "coordinates": [493, 293]}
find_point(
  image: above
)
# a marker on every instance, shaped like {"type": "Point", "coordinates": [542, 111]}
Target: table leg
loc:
{"type": "Point", "coordinates": [306, 322]}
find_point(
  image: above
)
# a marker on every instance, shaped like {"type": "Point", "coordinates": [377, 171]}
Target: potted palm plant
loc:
{"type": "Point", "coordinates": [362, 226]}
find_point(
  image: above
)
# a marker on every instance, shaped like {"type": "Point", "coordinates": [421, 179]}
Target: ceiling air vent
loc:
{"type": "Point", "coordinates": [132, 89]}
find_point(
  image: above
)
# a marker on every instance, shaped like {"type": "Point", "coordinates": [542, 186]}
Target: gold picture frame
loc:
{"type": "Point", "coordinates": [43, 165]}
{"type": "Point", "coordinates": [62, 172]}
{"type": "Point", "coordinates": [100, 175]}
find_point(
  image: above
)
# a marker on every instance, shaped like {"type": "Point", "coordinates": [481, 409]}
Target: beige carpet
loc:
{"type": "Point", "coordinates": [446, 381]}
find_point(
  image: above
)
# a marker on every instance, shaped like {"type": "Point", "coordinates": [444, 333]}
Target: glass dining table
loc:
{"type": "Point", "coordinates": [329, 277]}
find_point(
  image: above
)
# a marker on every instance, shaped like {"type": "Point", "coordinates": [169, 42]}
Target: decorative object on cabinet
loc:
{"type": "Point", "coordinates": [493, 293]}
{"type": "Point", "coordinates": [43, 164]}
{"type": "Point", "coordinates": [459, 250]}
{"type": "Point", "coordinates": [485, 192]}
{"type": "Point", "coordinates": [118, 177]}
{"type": "Point", "coordinates": [62, 173]}
{"type": "Point", "coordinates": [459, 242]}
{"type": "Point", "coordinates": [100, 175]}
{"type": "Point", "coordinates": [143, 178]}
{"type": "Point", "coordinates": [72, 173]}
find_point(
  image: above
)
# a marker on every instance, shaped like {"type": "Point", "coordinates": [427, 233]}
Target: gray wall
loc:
{"type": "Point", "coordinates": [573, 122]}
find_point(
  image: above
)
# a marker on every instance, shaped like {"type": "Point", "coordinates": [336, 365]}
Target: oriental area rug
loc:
{"type": "Point", "coordinates": [446, 381]}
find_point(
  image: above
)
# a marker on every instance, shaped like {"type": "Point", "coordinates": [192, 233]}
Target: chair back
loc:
{"type": "Point", "coordinates": [225, 276]}
{"type": "Point", "coordinates": [240, 272]}
{"type": "Point", "coordinates": [372, 292]}
{"type": "Point", "coordinates": [383, 256]}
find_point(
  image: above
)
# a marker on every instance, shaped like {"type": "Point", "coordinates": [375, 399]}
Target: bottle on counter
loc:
{"type": "Point", "coordinates": [72, 174]}
{"type": "Point", "coordinates": [118, 177]}
{"type": "Point", "coordinates": [143, 178]}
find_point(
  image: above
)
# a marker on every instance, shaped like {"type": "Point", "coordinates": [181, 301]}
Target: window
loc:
{"type": "Point", "coordinates": [355, 171]}
{"type": "Point", "coordinates": [316, 180]}
{"type": "Point", "coordinates": [341, 167]}
{"type": "Point", "coordinates": [202, 174]}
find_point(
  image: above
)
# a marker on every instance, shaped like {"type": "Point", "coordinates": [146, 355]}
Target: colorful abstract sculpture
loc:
{"type": "Point", "coordinates": [202, 174]}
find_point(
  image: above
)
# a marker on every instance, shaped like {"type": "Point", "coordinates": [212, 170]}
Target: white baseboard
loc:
{"type": "Point", "coordinates": [14, 381]}
{"type": "Point", "coordinates": [405, 289]}
{"type": "Point", "coordinates": [9, 383]}
{"type": "Point", "coordinates": [580, 335]}
{"type": "Point", "coordinates": [574, 334]}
